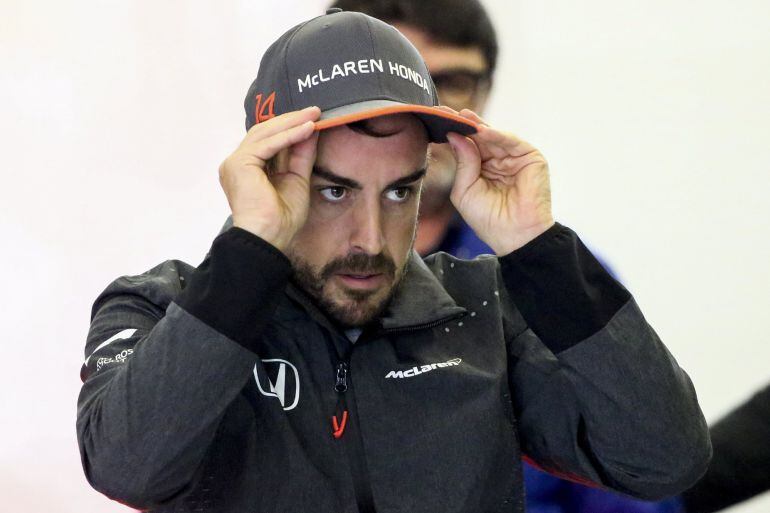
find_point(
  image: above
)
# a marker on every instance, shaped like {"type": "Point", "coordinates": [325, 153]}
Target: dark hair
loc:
{"type": "Point", "coordinates": [461, 23]}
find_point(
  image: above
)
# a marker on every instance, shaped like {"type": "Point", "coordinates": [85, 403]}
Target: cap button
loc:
{"type": "Point", "coordinates": [333, 10]}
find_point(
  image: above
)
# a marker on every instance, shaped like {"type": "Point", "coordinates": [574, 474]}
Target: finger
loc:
{"type": "Point", "coordinates": [293, 184]}
{"type": "Point", "coordinates": [281, 123]}
{"type": "Point", "coordinates": [497, 144]}
{"type": "Point", "coordinates": [302, 156]}
{"type": "Point", "coordinates": [280, 162]}
{"type": "Point", "coordinates": [448, 109]}
{"type": "Point", "coordinates": [468, 165]}
{"type": "Point", "coordinates": [469, 114]}
{"type": "Point", "coordinates": [267, 148]}
{"type": "Point", "coordinates": [504, 139]}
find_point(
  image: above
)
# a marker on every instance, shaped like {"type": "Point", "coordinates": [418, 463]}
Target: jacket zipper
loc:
{"type": "Point", "coordinates": [424, 326]}
{"type": "Point", "coordinates": [345, 427]}
{"type": "Point", "coordinates": [346, 414]}
{"type": "Point", "coordinates": [340, 386]}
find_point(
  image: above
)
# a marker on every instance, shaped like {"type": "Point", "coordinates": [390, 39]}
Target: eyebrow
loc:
{"type": "Point", "coordinates": [406, 180]}
{"type": "Point", "coordinates": [347, 182]}
{"type": "Point", "coordinates": [337, 179]}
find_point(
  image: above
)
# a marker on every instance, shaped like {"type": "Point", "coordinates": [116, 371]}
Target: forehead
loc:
{"type": "Point", "coordinates": [440, 56]}
{"type": "Point", "coordinates": [399, 149]}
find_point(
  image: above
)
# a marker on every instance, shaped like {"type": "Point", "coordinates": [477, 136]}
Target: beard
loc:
{"type": "Point", "coordinates": [349, 307]}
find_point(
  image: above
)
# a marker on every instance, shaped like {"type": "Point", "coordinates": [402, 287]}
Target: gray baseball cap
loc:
{"type": "Point", "coordinates": [353, 67]}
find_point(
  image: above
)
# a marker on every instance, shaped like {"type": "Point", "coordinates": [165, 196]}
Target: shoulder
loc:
{"type": "Point", "coordinates": [461, 277]}
{"type": "Point", "coordinates": [157, 286]}
{"type": "Point", "coordinates": [444, 264]}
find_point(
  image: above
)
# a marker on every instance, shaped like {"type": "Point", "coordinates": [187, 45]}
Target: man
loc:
{"type": "Point", "coordinates": [457, 40]}
{"type": "Point", "coordinates": [313, 362]}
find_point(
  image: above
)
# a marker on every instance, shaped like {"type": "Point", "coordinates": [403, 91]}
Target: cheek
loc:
{"type": "Point", "coordinates": [312, 245]}
{"type": "Point", "coordinates": [322, 212]}
{"type": "Point", "coordinates": [319, 239]}
{"type": "Point", "coordinates": [399, 227]}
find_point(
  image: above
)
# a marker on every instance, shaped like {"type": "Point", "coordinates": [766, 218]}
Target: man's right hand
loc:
{"type": "Point", "coordinates": [272, 204]}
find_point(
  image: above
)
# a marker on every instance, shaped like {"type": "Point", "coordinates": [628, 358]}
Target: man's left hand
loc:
{"type": "Point", "coordinates": [502, 188]}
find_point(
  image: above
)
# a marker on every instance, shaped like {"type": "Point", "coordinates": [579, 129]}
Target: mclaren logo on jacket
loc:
{"type": "Point", "coordinates": [279, 379]}
{"type": "Point", "coordinates": [416, 371]}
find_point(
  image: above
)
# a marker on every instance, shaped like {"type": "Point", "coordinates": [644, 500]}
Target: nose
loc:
{"type": "Point", "coordinates": [367, 234]}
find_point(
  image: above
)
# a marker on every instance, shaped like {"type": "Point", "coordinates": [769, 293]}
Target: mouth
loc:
{"type": "Point", "coordinates": [362, 281]}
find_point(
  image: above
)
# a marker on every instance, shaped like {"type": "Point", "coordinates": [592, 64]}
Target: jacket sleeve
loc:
{"type": "Point", "coordinates": [165, 359]}
{"type": "Point", "coordinates": [598, 397]}
{"type": "Point", "coordinates": [740, 469]}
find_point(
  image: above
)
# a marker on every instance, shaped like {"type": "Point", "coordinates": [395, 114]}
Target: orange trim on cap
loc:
{"type": "Point", "coordinates": [398, 109]}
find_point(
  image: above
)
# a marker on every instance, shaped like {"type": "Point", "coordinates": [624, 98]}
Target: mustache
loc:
{"type": "Point", "coordinates": [359, 263]}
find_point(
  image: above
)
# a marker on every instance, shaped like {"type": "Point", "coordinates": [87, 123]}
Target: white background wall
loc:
{"type": "Point", "coordinates": [115, 115]}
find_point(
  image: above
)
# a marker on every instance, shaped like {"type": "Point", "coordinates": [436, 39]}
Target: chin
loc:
{"type": "Point", "coordinates": [348, 307]}
{"type": "Point", "coordinates": [355, 310]}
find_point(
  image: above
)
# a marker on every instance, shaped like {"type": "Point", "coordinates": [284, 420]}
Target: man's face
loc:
{"type": "Point", "coordinates": [462, 80]}
{"type": "Point", "coordinates": [364, 194]}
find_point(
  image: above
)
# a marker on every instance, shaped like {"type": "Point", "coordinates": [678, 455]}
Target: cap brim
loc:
{"type": "Point", "coordinates": [438, 122]}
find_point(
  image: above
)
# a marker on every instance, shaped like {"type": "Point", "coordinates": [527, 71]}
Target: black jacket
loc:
{"type": "Point", "coordinates": [221, 388]}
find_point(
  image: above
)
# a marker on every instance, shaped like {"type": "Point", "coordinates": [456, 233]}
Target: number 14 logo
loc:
{"type": "Point", "coordinates": [264, 110]}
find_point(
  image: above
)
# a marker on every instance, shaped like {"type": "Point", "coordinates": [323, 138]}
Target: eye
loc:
{"type": "Point", "coordinates": [399, 194]}
{"type": "Point", "coordinates": [334, 193]}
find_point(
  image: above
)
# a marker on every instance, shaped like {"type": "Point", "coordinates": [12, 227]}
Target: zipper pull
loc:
{"type": "Point", "coordinates": [339, 426]}
{"type": "Point", "coordinates": [341, 383]}
{"type": "Point", "coordinates": [340, 386]}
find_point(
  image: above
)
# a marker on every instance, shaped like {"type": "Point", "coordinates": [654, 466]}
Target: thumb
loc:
{"type": "Point", "coordinates": [293, 182]}
{"type": "Point", "coordinates": [302, 156]}
{"type": "Point", "coordinates": [468, 165]}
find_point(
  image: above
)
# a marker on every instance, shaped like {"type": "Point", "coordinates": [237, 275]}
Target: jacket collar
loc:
{"type": "Point", "coordinates": [419, 301]}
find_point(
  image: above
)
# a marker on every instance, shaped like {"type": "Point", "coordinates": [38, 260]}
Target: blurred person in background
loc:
{"type": "Point", "coordinates": [459, 44]}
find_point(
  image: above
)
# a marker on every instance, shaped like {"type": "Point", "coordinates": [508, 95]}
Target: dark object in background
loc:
{"type": "Point", "coordinates": [740, 467]}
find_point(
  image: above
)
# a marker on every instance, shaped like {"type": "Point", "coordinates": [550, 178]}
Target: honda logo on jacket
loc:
{"type": "Point", "coordinates": [279, 379]}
